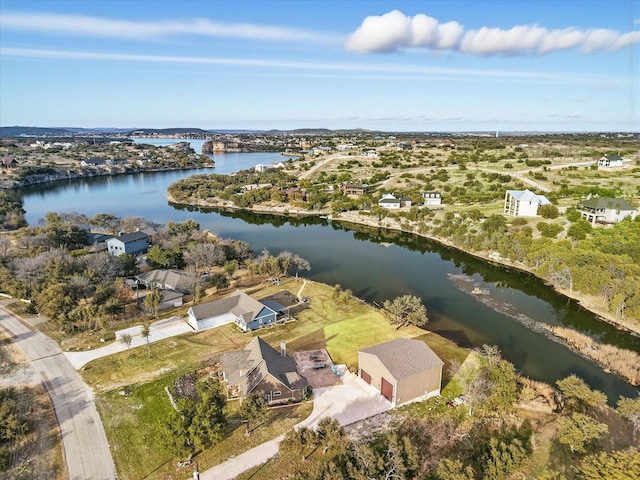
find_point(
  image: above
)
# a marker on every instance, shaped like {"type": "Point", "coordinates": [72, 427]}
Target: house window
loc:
{"type": "Point", "coordinates": [277, 393]}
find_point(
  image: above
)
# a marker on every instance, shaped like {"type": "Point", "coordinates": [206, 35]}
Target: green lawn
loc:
{"type": "Point", "coordinates": [134, 423]}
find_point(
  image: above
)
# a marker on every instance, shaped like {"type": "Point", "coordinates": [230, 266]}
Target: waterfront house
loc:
{"type": "Point", "coordinates": [92, 162]}
{"type": "Point", "coordinates": [432, 198]}
{"type": "Point", "coordinates": [353, 188]}
{"type": "Point", "coordinates": [8, 162]}
{"type": "Point", "coordinates": [402, 370]}
{"type": "Point", "coordinates": [610, 161]}
{"type": "Point", "coordinates": [523, 203]}
{"type": "Point", "coordinates": [261, 368]}
{"type": "Point", "coordinates": [112, 162]}
{"type": "Point", "coordinates": [606, 210]}
{"type": "Point", "coordinates": [131, 243]}
{"type": "Point", "coordinates": [390, 201]}
{"type": "Point", "coordinates": [239, 308]}
{"type": "Point", "coordinates": [173, 279]}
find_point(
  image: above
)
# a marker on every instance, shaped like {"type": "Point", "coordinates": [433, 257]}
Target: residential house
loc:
{"type": "Point", "coordinates": [606, 210]}
{"type": "Point", "coordinates": [402, 370]}
{"type": "Point", "coordinates": [432, 198]}
{"type": "Point", "coordinates": [239, 308]}
{"type": "Point", "coordinates": [523, 203]}
{"type": "Point", "coordinates": [131, 243]}
{"type": "Point", "coordinates": [610, 161]}
{"type": "Point", "coordinates": [112, 162]}
{"type": "Point", "coordinates": [390, 201]}
{"type": "Point", "coordinates": [261, 368]}
{"type": "Point", "coordinates": [8, 162]}
{"type": "Point", "coordinates": [92, 162]}
{"type": "Point", "coordinates": [170, 299]}
{"type": "Point", "coordinates": [370, 154]}
{"type": "Point", "coordinates": [174, 279]}
{"type": "Point", "coordinates": [353, 188]}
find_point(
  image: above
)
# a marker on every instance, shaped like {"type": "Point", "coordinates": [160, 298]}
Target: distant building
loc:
{"type": "Point", "coordinates": [432, 198]}
{"type": "Point", "coordinates": [523, 203]}
{"type": "Point", "coordinates": [606, 210]}
{"type": "Point", "coordinates": [610, 161]}
{"type": "Point", "coordinates": [131, 243]}
{"type": "Point", "coordinates": [390, 201]}
{"type": "Point", "coordinates": [8, 162]}
{"type": "Point", "coordinates": [92, 162]}
{"type": "Point", "coordinates": [370, 154]}
{"type": "Point", "coordinates": [353, 188]}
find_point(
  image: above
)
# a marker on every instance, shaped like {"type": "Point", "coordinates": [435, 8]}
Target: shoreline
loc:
{"type": "Point", "coordinates": [391, 224]}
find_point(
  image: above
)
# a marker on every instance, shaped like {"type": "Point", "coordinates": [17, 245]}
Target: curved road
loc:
{"type": "Point", "coordinates": [86, 451]}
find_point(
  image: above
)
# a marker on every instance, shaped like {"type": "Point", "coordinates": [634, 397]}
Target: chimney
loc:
{"type": "Point", "coordinates": [283, 349]}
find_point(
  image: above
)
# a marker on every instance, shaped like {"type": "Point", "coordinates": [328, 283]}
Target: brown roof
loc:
{"type": "Point", "coordinates": [405, 357]}
{"type": "Point", "coordinates": [248, 367]}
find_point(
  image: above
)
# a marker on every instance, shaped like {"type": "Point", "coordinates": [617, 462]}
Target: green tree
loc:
{"type": "Point", "coordinates": [619, 465]}
{"type": "Point", "coordinates": [253, 409]}
{"type": "Point", "coordinates": [146, 334]}
{"type": "Point", "coordinates": [629, 408]}
{"type": "Point", "coordinates": [578, 395]}
{"type": "Point", "coordinates": [404, 310]}
{"type": "Point", "coordinates": [449, 469]}
{"type": "Point", "coordinates": [580, 432]}
{"type": "Point", "coordinates": [332, 436]}
{"type": "Point", "coordinates": [209, 422]}
{"type": "Point", "coordinates": [548, 211]}
{"type": "Point", "coordinates": [152, 301]}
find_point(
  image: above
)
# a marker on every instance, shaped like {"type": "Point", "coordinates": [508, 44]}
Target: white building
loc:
{"type": "Point", "coordinates": [523, 203]}
{"type": "Point", "coordinates": [606, 210]}
{"type": "Point", "coordinates": [610, 161]}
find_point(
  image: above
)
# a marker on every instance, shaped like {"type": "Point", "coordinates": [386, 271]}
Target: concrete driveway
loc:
{"type": "Point", "coordinates": [160, 330]}
{"type": "Point", "coordinates": [348, 403]}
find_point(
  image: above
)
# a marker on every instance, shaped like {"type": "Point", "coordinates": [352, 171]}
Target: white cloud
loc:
{"type": "Point", "coordinates": [395, 31]}
{"type": "Point", "coordinates": [88, 26]}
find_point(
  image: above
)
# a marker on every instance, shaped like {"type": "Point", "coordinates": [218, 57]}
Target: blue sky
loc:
{"type": "Point", "coordinates": [394, 66]}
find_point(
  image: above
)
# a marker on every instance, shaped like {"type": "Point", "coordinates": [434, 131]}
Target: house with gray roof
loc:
{"type": "Point", "coordinates": [239, 308]}
{"type": "Point", "coordinates": [131, 243]}
{"type": "Point", "coordinates": [172, 279]}
{"type": "Point", "coordinates": [402, 370]}
{"type": "Point", "coordinates": [523, 203]}
{"type": "Point", "coordinates": [261, 368]}
{"type": "Point", "coordinates": [610, 161]}
{"type": "Point", "coordinates": [606, 210]}
{"type": "Point", "coordinates": [390, 201]}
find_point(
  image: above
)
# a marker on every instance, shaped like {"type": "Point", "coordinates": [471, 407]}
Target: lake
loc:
{"type": "Point", "coordinates": [375, 264]}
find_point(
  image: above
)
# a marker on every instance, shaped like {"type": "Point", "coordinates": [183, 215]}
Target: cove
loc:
{"type": "Point", "coordinates": [376, 265]}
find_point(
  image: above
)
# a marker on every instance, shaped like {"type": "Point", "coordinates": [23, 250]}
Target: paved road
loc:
{"type": "Point", "coordinates": [348, 403]}
{"type": "Point", "coordinates": [84, 442]}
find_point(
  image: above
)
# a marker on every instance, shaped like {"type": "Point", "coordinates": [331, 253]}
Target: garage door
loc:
{"type": "Point", "coordinates": [365, 376]}
{"type": "Point", "coordinates": [386, 390]}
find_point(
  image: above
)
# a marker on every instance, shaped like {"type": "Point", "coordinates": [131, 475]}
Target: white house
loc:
{"type": "Point", "coordinates": [390, 201]}
{"type": "Point", "coordinates": [606, 210]}
{"type": "Point", "coordinates": [610, 161]}
{"type": "Point", "coordinates": [130, 243]}
{"type": "Point", "coordinates": [523, 203]}
{"type": "Point", "coordinates": [432, 198]}
{"type": "Point", "coordinates": [371, 154]}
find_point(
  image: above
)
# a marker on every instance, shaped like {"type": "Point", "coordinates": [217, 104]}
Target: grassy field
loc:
{"type": "Point", "coordinates": [134, 421]}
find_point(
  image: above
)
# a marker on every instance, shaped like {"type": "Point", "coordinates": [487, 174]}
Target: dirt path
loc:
{"type": "Point", "coordinates": [304, 284]}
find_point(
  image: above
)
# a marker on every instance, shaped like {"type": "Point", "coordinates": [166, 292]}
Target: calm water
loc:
{"type": "Point", "coordinates": [376, 265]}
